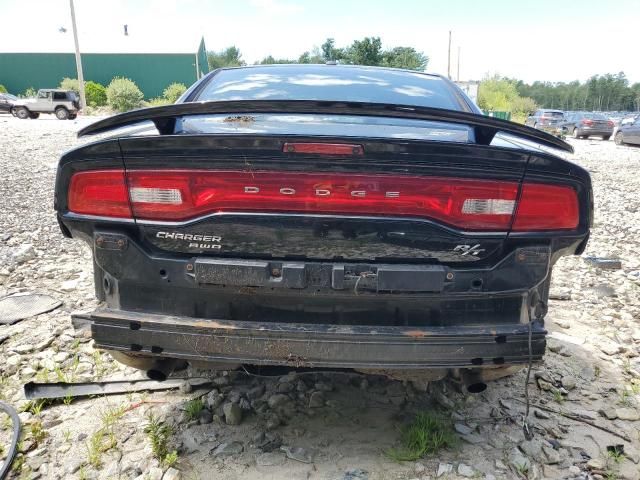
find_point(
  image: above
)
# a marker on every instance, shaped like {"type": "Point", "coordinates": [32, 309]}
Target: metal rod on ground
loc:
{"type": "Point", "coordinates": [34, 391]}
{"type": "Point", "coordinates": [83, 101]}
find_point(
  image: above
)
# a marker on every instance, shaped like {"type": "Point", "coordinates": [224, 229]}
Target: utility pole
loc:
{"type": "Point", "coordinates": [458, 76]}
{"type": "Point", "coordinates": [83, 100]}
{"type": "Point", "coordinates": [448, 57]}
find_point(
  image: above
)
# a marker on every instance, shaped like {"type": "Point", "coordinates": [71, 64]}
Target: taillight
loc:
{"type": "Point", "coordinates": [468, 204]}
{"type": "Point", "coordinates": [610, 123]}
{"type": "Point", "coordinates": [180, 195]}
{"type": "Point", "coordinates": [546, 207]}
{"type": "Point", "coordinates": [586, 121]}
{"type": "Point", "coordinates": [100, 193]}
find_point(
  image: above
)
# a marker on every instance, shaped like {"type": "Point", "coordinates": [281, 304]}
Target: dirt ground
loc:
{"type": "Point", "coordinates": [584, 417]}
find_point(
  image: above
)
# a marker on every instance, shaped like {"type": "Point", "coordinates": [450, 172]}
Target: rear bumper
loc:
{"type": "Point", "coordinates": [595, 131]}
{"type": "Point", "coordinates": [313, 345]}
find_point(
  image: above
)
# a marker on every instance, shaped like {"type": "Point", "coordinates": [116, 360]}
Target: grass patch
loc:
{"type": "Point", "coordinates": [558, 397]}
{"type": "Point", "coordinates": [111, 415]}
{"type": "Point", "coordinates": [100, 442]}
{"type": "Point", "coordinates": [159, 434]}
{"type": "Point", "coordinates": [37, 432]}
{"type": "Point", "coordinates": [193, 408]}
{"type": "Point", "coordinates": [426, 435]}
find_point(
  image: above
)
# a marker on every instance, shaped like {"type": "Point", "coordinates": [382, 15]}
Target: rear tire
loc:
{"type": "Point", "coordinates": [575, 134]}
{"type": "Point", "coordinates": [22, 113]}
{"type": "Point", "coordinates": [34, 115]}
{"type": "Point", "coordinates": [619, 139]}
{"type": "Point", "coordinates": [62, 113]}
{"type": "Point", "coordinates": [606, 137]}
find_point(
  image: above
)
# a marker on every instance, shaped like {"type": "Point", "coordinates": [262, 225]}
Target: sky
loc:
{"type": "Point", "coordinates": [530, 40]}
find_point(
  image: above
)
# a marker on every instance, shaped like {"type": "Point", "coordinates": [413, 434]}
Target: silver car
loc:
{"type": "Point", "coordinates": [64, 104]}
{"type": "Point", "coordinates": [586, 124]}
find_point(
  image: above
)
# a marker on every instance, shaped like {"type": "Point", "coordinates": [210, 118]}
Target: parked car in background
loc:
{"type": "Point", "coordinates": [629, 133]}
{"type": "Point", "coordinates": [64, 104]}
{"type": "Point", "coordinates": [6, 102]}
{"type": "Point", "coordinates": [545, 119]}
{"type": "Point", "coordinates": [360, 234]}
{"type": "Point", "coordinates": [629, 119]}
{"type": "Point", "coordinates": [586, 124]}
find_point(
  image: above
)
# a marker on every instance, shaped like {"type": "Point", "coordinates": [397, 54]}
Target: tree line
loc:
{"type": "Point", "coordinates": [608, 92]}
{"type": "Point", "coordinates": [367, 51]}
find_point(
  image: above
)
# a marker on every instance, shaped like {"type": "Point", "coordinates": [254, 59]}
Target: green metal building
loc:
{"type": "Point", "coordinates": [152, 72]}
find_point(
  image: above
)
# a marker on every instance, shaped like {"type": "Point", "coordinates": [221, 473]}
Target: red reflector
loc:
{"type": "Point", "coordinates": [324, 148]}
{"type": "Point", "coordinates": [99, 192]}
{"type": "Point", "coordinates": [547, 207]}
{"type": "Point", "coordinates": [179, 195]}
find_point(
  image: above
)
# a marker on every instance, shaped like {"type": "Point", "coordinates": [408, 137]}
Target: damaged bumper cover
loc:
{"type": "Point", "coordinates": [313, 345]}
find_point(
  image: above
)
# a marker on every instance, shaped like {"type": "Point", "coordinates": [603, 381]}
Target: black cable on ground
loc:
{"type": "Point", "coordinates": [11, 454]}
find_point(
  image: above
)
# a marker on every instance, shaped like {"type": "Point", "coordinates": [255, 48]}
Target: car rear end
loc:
{"type": "Point", "coordinates": [550, 120]}
{"type": "Point", "coordinates": [595, 124]}
{"type": "Point", "coordinates": [324, 233]}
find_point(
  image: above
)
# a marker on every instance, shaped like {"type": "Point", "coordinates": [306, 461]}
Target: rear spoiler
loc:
{"type": "Point", "coordinates": [485, 128]}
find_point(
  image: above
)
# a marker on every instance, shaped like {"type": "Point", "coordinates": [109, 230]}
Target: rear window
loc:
{"type": "Point", "coordinates": [553, 114]}
{"type": "Point", "coordinates": [333, 83]}
{"type": "Point", "coordinates": [595, 116]}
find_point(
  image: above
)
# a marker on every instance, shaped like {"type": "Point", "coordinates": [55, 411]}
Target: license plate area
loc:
{"type": "Point", "coordinates": [334, 276]}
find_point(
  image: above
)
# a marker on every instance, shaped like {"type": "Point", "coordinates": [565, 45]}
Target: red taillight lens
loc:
{"type": "Point", "coordinates": [182, 195]}
{"type": "Point", "coordinates": [324, 148]}
{"type": "Point", "coordinates": [546, 207]}
{"type": "Point", "coordinates": [586, 121]}
{"type": "Point", "coordinates": [179, 195]}
{"type": "Point", "coordinates": [610, 123]}
{"type": "Point", "coordinates": [100, 193]}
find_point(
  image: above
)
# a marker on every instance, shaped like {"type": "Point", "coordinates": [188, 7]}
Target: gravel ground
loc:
{"type": "Point", "coordinates": [321, 426]}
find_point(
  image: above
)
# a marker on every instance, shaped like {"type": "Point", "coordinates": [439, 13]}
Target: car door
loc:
{"type": "Point", "coordinates": [632, 133]}
{"type": "Point", "coordinates": [43, 102]}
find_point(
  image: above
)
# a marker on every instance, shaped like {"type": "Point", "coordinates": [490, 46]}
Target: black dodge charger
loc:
{"type": "Point", "coordinates": [323, 216]}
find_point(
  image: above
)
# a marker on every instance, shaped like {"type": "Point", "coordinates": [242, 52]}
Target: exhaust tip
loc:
{"type": "Point", "coordinates": [472, 380]}
{"type": "Point", "coordinates": [157, 375]}
{"type": "Point", "coordinates": [478, 387]}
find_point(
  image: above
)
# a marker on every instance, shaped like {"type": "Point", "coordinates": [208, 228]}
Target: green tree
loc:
{"type": "Point", "coordinates": [3, 89]}
{"type": "Point", "coordinates": [405, 57]}
{"type": "Point", "coordinates": [174, 91]}
{"type": "Point", "coordinates": [311, 57]}
{"type": "Point", "coordinates": [330, 52]}
{"type": "Point", "coordinates": [269, 60]}
{"type": "Point", "coordinates": [496, 93]}
{"type": "Point", "coordinates": [228, 57]}
{"type": "Point", "coordinates": [96, 94]}
{"type": "Point", "coordinates": [367, 51]}
{"type": "Point", "coordinates": [123, 95]}
{"type": "Point", "coordinates": [70, 84]}
{"type": "Point", "coordinates": [501, 94]}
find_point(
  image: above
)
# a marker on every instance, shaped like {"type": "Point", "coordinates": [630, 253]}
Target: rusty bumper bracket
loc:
{"type": "Point", "coordinates": [312, 345]}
